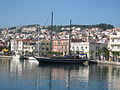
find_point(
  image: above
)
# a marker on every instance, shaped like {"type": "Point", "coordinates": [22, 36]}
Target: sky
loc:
{"type": "Point", "coordinates": [88, 12]}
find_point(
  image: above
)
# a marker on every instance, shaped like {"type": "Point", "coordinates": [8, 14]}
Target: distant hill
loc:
{"type": "Point", "coordinates": [57, 28]}
{"type": "Point", "coordinates": [102, 26]}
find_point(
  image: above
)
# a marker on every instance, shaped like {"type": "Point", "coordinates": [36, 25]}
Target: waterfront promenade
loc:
{"type": "Point", "coordinates": [93, 61]}
{"type": "Point", "coordinates": [3, 56]}
{"type": "Point", "coordinates": [106, 62]}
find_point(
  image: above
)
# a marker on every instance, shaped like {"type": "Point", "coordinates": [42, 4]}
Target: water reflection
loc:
{"type": "Point", "coordinates": [16, 74]}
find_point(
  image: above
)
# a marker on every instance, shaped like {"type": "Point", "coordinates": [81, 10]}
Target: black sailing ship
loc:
{"type": "Point", "coordinates": [61, 60]}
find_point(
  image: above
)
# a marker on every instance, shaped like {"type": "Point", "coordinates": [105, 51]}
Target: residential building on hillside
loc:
{"type": "Point", "coordinates": [114, 44]}
{"type": "Point", "coordinates": [86, 49]}
{"type": "Point", "coordinates": [42, 47]}
{"type": "Point", "coordinates": [14, 45]}
{"type": "Point", "coordinates": [5, 32]}
{"type": "Point", "coordinates": [23, 46]}
{"type": "Point", "coordinates": [61, 45]}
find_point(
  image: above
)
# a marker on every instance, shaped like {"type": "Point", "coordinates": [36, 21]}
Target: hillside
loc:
{"type": "Point", "coordinates": [57, 28]}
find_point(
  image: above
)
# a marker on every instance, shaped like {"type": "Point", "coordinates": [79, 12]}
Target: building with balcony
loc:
{"type": "Point", "coordinates": [86, 49]}
{"type": "Point", "coordinates": [23, 46]}
{"type": "Point", "coordinates": [61, 45]}
{"type": "Point", "coordinates": [114, 46]}
{"type": "Point", "coordinates": [42, 47]}
{"type": "Point", "coordinates": [114, 43]}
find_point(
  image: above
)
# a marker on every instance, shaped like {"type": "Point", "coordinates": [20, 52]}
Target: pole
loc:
{"type": "Point", "coordinates": [70, 38]}
{"type": "Point", "coordinates": [51, 32]}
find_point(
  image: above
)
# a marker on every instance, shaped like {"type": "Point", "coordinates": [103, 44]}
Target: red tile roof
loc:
{"type": "Point", "coordinates": [26, 40]}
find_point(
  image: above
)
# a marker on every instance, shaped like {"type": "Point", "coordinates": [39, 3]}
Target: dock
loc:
{"type": "Point", "coordinates": [105, 62]}
{"type": "Point", "coordinates": [2, 56]}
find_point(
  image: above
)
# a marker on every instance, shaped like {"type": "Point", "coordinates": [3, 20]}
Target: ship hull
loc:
{"type": "Point", "coordinates": [61, 61]}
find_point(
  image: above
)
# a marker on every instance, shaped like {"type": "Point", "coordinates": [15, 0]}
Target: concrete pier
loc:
{"type": "Point", "coordinates": [106, 62]}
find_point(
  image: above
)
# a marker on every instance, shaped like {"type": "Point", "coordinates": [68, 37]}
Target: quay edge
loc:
{"type": "Point", "coordinates": [105, 62]}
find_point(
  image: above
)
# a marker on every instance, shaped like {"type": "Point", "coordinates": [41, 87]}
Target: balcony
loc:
{"type": "Point", "coordinates": [115, 43]}
{"type": "Point", "coordinates": [115, 49]}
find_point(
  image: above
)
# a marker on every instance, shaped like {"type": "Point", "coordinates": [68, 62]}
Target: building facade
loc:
{"type": "Point", "coordinates": [86, 49]}
{"type": "Point", "coordinates": [23, 46]}
{"type": "Point", "coordinates": [43, 47]}
{"type": "Point", "coordinates": [61, 45]}
{"type": "Point", "coordinates": [114, 44]}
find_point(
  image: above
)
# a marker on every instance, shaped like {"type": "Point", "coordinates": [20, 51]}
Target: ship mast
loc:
{"type": "Point", "coordinates": [69, 44]}
{"type": "Point", "coordinates": [51, 36]}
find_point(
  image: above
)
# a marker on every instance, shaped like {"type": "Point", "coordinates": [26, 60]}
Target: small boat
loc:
{"type": "Point", "coordinates": [31, 58]}
{"type": "Point", "coordinates": [17, 56]}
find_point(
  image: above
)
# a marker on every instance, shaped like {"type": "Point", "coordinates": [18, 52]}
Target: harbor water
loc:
{"type": "Point", "coordinates": [29, 75]}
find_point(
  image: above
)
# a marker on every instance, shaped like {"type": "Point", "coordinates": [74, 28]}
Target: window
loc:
{"type": "Point", "coordinates": [73, 48]}
{"type": "Point", "coordinates": [66, 48]}
{"type": "Point", "coordinates": [96, 54]}
{"type": "Point", "coordinates": [47, 49]}
{"type": "Point", "coordinates": [96, 48]}
{"type": "Point", "coordinates": [118, 47]}
{"type": "Point", "coordinates": [81, 47]}
{"type": "Point", "coordinates": [112, 47]}
{"type": "Point", "coordinates": [112, 40]}
{"type": "Point", "coordinates": [43, 43]}
{"type": "Point", "coordinates": [62, 48]}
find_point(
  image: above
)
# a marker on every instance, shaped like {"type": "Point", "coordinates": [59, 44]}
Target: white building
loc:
{"type": "Point", "coordinates": [114, 43]}
{"type": "Point", "coordinates": [84, 49]}
{"type": "Point", "coordinates": [42, 47]}
{"type": "Point", "coordinates": [23, 45]}
{"type": "Point", "coordinates": [14, 45]}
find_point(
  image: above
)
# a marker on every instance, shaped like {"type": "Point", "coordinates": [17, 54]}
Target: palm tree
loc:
{"type": "Point", "coordinates": [115, 55]}
{"type": "Point", "coordinates": [91, 54]}
{"type": "Point", "coordinates": [99, 53]}
{"type": "Point", "coordinates": [104, 52]}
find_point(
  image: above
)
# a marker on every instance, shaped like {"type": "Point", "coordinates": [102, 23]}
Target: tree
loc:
{"type": "Point", "coordinates": [115, 55]}
{"type": "Point", "coordinates": [104, 52]}
{"type": "Point", "coordinates": [91, 54]}
{"type": "Point", "coordinates": [99, 53]}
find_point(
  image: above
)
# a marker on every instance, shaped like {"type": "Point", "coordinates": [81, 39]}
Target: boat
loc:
{"type": "Point", "coordinates": [60, 60]}
{"type": "Point", "coordinates": [31, 58]}
{"type": "Point", "coordinates": [17, 56]}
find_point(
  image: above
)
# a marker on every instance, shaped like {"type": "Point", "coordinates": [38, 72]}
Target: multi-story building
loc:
{"type": "Point", "coordinates": [26, 45]}
{"type": "Point", "coordinates": [43, 47]}
{"type": "Point", "coordinates": [61, 45]}
{"type": "Point", "coordinates": [86, 49]}
{"type": "Point", "coordinates": [114, 44]}
{"type": "Point", "coordinates": [23, 45]}
{"type": "Point", "coordinates": [14, 45]}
